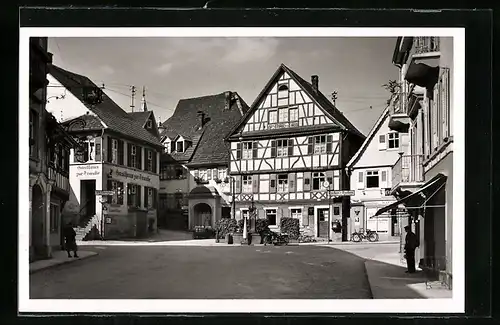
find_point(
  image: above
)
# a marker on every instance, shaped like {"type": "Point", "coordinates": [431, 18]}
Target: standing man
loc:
{"type": "Point", "coordinates": [411, 243]}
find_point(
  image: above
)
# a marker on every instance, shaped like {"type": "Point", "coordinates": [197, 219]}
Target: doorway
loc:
{"type": "Point", "coordinates": [202, 215]}
{"type": "Point", "coordinates": [37, 221]}
{"type": "Point", "coordinates": [323, 222]}
{"type": "Point", "coordinates": [87, 198]}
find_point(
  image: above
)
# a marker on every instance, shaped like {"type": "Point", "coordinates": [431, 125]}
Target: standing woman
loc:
{"type": "Point", "coordinates": [70, 237]}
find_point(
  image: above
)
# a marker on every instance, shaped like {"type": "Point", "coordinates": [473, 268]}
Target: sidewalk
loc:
{"type": "Point", "coordinates": [58, 258]}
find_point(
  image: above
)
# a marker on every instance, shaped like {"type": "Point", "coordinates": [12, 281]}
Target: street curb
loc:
{"type": "Point", "coordinates": [62, 263]}
{"type": "Point", "coordinates": [368, 280]}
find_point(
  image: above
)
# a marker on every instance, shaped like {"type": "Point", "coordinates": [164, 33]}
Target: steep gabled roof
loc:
{"type": "Point", "coordinates": [320, 99]}
{"type": "Point", "coordinates": [140, 117]}
{"type": "Point", "coordinates": [115, 118]}
{"type": "Point", "coordinates": [369, 138]}
{"type": "Point", "coordinates": [208, 144]}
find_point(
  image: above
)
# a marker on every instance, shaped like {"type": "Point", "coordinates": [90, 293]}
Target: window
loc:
{"type": "Point", "coordinates": [318, 180]}
{"type": "Point", "coordinates": [150, 161]}
{"type": "Point", "coordinates": [320, 144]}
{"type": "Point", "coordinates": [273, 117]}
{"type": "Point", "coordinates": [117, 187]}
{"type": "Point", "coordinates": [296, 213]}
{"type": "Point", "coordinates": [149, 124]}
{"type": "Point", "coordinates": [282, 148]}
{"type": "Point", "coordinates": [247, 150]}
{"type": "Point", "coordinates": [294, 114]}
{"type": "Point", "coordinates": [164, 172]}
{"type": "Point", "coordinates": [133, 156]}
{"type": "Point", "coordinates": [372, 180]}
{"type": "Point", "coordinates": [283, 114]}
{"type": "Point", "coordinates": [271, 217]}
{"type": "Point", "coordinates": [283, 183]}
{"type": "Point", "coordinates": [114, 151]}
{"type": "Point", "coordinates": [203, 174]}
{"type": "Point", "coordinates": [33, 133]}
{"type": "Point", "coordinates": [54, 218]}
{"type": "Point", "coordinates": [336, 211]}
{"type": "Point", "coordinates": [150, 198]}
{"type": "Point", "coordinates": [222, 174]}
{"type": "Point", "coordinates": [393, 140]}
{"type": "Point", "coordinates": [167, 146]}
{"type": "Point", "coordinates": [283, 91]}
{"type": "Point", "coordinates": [134, 197]}
{"type": "Point", "coordinates": [180, 146]}
{"type": "Point", "coordinates": [179, 172]}
{"type": "Point", "coordinates": [247, 184]}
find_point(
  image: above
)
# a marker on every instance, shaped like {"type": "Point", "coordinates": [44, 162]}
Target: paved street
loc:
{"type": "Point", "coordinates": [169, 272]}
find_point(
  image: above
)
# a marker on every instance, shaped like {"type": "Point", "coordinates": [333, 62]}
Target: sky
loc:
{"type": "Point", "coordinates": [175, 68]}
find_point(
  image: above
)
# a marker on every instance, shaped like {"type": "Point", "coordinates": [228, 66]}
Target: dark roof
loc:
{"type": "Point", "coordinates": [115, 118]}
{"type": "Point", "coordinates": [92, 122]}
{"type": "Point", "coordinates": [141, 117]}
{"type": "Point", "coordinates": [317, 96]}
{"type": "Point", "coordinates": [208, 146]}
{"type": "Point", "coordinates": [287, 131]}
{"type": "Point", "coordinates": [203, 190]}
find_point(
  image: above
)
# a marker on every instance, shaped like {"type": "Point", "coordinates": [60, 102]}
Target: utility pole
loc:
{"type": "Point", "coordinates": [133, 98]}
{"type": "Point", "coordinates": [334, 97]}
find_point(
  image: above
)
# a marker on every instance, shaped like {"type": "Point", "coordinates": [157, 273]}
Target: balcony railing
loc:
{"type": "Point", "coordinates": [426, 44]}
{"type": "Point", "coordinates": [408, 169]}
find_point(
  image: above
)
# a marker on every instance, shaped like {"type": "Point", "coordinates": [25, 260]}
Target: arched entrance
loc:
{"type": "Point", "coordinates": [37, 219]}
{"type": "Point", "coordinates": [202, 215]}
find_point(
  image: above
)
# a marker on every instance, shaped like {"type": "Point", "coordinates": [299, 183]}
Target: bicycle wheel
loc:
{"type": "Point", "coordinates": [355, 238]}
{"type": "Point", "coordinates": [373, 237]}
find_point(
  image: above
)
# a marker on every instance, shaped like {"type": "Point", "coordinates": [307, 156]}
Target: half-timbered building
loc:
{"type": "Point", "coordinates": [289, 152]}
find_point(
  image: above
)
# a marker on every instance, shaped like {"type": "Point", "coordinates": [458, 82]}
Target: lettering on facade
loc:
{"type": "Point", "coordinates": [130, 175]}
{"type": "Point", "coordinates": [88, 170]}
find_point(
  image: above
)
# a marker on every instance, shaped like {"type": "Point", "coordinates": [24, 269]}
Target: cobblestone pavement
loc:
{"type": "Point", "coordinates": [252, 272]}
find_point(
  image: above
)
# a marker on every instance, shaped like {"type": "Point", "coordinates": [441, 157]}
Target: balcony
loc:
{"type": "Point", "coordinates": [59, 177]}
{"type": "Point", "coordinates": [399, 120]}
{"type": "Point", "coordinates": [426, 44]}
{"type": "Point", "coordinates": [407, 172]}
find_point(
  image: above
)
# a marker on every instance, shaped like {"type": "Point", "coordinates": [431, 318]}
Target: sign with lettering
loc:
{"type": "Point", "coordinates": [90, 171]}
{"type": "Point", "coordinates": [343, 193]}
{"type": "Point", "coordinates": [99, 192]}
{"type": "Point", "coordinates": [129, 175]}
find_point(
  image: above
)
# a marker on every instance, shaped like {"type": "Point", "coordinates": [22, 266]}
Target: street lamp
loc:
{"type": "Point", "coordinates": [326, 185]}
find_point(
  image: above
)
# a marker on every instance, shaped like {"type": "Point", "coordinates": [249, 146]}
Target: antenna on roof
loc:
{"type": "Point", "coordinates": [133, 98]}
{"type": "Point", "coordinates": [334, 97]}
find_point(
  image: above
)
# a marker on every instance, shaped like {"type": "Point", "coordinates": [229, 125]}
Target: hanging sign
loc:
{"type": "Point", "coordinates": [343, 193]}
{"type": "Point", "coordinates": [99, 192]}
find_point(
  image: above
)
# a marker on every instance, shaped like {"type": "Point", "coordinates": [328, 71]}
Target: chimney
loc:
{"type": "Point", "coordinates": [227, 103]}
{"type": "Point", "coordinates": [315, 82]}
{"type": "Point", "coordinates": [201, 116]}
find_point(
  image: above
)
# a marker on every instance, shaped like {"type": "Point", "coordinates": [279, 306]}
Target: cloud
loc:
{"type": "Point", "coordinates": [106, 69]}
{"type": "Point", "coordinates": [243, 50]}
{"type": "Point", "coordinates": [164, 68]}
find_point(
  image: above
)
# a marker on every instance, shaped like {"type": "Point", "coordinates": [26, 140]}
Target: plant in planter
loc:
{"type": "Point", "coordinates": [291, 227]}
{"type": "Point", "coordinates": [217, 180]}
{"type": "Point", "coordinates": [225, 226]}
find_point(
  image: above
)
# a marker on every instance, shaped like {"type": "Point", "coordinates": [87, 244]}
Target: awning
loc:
{"type": "Point", "coordinates": [418, 198]}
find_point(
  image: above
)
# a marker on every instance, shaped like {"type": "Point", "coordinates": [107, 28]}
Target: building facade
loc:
{"type": "Point", "coordinates": [118, 152]}
{"type": "Point", "coordinates": [194, 183]}
{"type": "Point", "coordinates": [289, 152]}
{"type": "Point", "coordinates": [49, 148]}
{"type": "Point", "coordinates": [423, 176]}
{"type": "Point", "coordinates": [371, 178]}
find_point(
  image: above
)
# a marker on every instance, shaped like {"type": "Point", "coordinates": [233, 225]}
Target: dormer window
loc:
{"type": "Point", "coordinates": [180, 146]}
{"type": "Point", "coordinates": [149, 124]}
{"type": "Point", "coordinates": [167, 146]}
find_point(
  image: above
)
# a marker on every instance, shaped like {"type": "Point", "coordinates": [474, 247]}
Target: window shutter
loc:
{"type": "Point", "coordinates": [292, 187]}
{"type": "Point", "coordinates": [196, 173]}
{"type": "Point", "coordinates": [129, 155]}
{"type": "Point", "coordinates": [361, 181]}
{"type": "Point", "coordinates": [255, 147]}
{"type": "Point", "coordinates": [237, 184]}
{"type": "Point", "coordinates": [255, 183]}
{"type": "Point", "coordinates": [445, 102]}
{"type": "Point", "coordinates": [138, 153]}
{"type": "Point", "coordinates": [329, 144]}
{"type": "Point", "coordinates": [273, 148]}
{"type": "Point", "coordinates": [209, 174]}
{"type": "Point", "coordinates": [307, 184]}
{"type": "Point", "coordinates": [238, 151]}
{"type": "Point", "coordinates": [155, 199]}
{"type": "Point", "coordinates": [110, 148]}
{"type": "Point", "coordinates": [382, 142]}
{"type": "Point", "coordinates": [434, 120]}
{"type": "Point", "coordinates": [383, 179]}
{"type": "Point", "coordinates": [120, 152]}
{"type": "Point", "coordinates": [145, 197]}
{"type": "Point", "coordinates": [290, 147]}
{"type": "Point", "coordinates": [305, 217]}
{"type": "Point", "coordinates": [329, 178]}
{"type": "Point", "coordinates": [310, 146]}
{"type": "Point", "coordinates": [272, 183]}
{"type": "Point", "coordinates": [214, 173]}
{"type": "Point", "coordinates": [138, 195]}
{"type": "Point", "coordinates": [97, 148]}
{"type": "Point", "coordinates": [110, 185]}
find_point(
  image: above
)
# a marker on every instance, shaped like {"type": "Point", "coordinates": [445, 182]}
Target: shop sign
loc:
{"type": "Point", "coordinates": [88, 170]}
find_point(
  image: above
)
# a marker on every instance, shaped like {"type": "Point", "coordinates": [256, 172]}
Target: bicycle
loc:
{"type": "Point", "coordinates": [306, 239]}
{"type": "Point", "coordinates": [276, 239]}
{"type": "Point", "coordinates": [372, 236]}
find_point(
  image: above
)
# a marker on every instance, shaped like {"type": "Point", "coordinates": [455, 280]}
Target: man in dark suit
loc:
{"type": "Point", "coordinates": [411, 243]}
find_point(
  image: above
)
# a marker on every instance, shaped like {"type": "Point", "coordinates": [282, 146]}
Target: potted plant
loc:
{"type": "Point", "coordinates": [224, 228]}
{"type": "Point", "coordinates": [291, 227]}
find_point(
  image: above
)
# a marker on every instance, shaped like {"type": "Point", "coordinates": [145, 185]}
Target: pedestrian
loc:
{"type": "Point", "coordinates": [411, 243]}
{"type": "Point", "coordinates": [70, 237]}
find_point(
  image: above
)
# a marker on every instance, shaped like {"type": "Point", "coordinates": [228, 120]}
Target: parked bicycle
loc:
{"type": "Point", "coordinates": [372, 236]}
{"type": "Point", "coordinates": [306, 239]}
{"type": "Point", "coordinates": [275, 238]}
